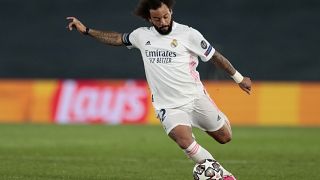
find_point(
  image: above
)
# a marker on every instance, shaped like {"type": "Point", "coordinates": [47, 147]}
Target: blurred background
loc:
{"type": "Point", "coordinates": [51, 75]}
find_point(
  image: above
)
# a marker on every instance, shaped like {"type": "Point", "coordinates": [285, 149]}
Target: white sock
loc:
{"type": "Point", "coordinates": [198, 154]}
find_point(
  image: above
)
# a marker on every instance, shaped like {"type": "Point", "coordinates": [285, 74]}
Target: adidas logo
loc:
{"type": "Point", "coordinates": [148, 43]}
{"type": "Point", "coordinates": [219, 118]}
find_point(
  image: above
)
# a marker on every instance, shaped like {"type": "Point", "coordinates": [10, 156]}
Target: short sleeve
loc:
{"type": "Point", "coordinates": [131, 40]}
{"type": "Point", "coordinates": [200, 46]}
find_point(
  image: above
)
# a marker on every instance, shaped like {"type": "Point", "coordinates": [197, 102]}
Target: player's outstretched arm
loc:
{"type": "Point", "coordinates": [110, 38]}
{"type": "Point", "coordinates": [220, 61]}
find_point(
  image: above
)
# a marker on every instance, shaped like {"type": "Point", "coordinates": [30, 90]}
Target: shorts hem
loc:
{"type": "Point", "coordinates": [216, 129]}
{"type": "Point", "coordinates": [179, 124]}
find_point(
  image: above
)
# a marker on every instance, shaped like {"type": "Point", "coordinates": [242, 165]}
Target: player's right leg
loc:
{"type": "Point", "coordinates": [182, 135]}
{"type": "Point", "coordinates": [177, 125]}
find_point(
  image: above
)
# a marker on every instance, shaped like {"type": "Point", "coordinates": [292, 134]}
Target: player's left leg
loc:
{"type": "Point", "coordinates": [224, 134]}
{"type": "Point", "coordinates": [209, 118]}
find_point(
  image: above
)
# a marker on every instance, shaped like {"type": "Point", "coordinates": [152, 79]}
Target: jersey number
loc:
{"type": "Point", "coordinates": [162, 115]}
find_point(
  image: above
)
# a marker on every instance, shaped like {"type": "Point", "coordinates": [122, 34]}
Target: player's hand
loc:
{"type": "Point", "coordinates": [245, 85]}
{"type": "Point", "coordinates": [75, 23]}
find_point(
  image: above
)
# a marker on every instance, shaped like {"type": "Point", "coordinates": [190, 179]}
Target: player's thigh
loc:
{"type": "Point", "coordinates": [171, 118]}
{"type": "Point", "coordinates": [177, 125]}
{"type": "Point", "coordinates": [206, 115]}
{"type": "Point", "coordinates": [210, 119]}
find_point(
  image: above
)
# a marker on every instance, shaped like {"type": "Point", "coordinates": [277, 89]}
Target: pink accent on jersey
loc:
{"type": "Point", "coordinates": [192, 65]}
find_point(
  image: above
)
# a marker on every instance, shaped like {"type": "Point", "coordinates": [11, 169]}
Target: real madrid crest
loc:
{"type": "Point", "coordinates": [174, 43]}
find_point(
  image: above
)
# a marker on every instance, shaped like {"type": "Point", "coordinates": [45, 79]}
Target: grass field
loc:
{"type": "Point", "coordinates": [78, 152]}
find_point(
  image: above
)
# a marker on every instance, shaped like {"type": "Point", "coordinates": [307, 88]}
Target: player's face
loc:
{"type": "Point", "coordinates": [161, 19]}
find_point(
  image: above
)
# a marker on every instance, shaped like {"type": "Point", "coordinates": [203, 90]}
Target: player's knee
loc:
{"type": "Point", "coordinates": [222, 136]}
{"type": "Point", "coordinates": [184, 143]}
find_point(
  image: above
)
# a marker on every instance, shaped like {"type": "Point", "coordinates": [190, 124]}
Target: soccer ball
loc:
{"type": "Point", "coordinates": [208, 169]}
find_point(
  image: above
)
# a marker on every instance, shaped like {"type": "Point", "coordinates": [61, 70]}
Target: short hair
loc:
{"type": "Point", "coordinates": [144, 6]}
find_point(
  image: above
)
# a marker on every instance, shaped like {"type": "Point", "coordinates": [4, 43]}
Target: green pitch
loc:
{"type": "Point", "coordinates": [43, 152]}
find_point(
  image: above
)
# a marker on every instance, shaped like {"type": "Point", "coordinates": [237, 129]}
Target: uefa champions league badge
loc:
{"type": "Point", "coordinates": [174, 43]}
{"type": "Point", "coordinates": [204, 44]}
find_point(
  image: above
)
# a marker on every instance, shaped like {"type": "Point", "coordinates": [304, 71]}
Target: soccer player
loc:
{"type": "Point", "coordinates": [170, 54]}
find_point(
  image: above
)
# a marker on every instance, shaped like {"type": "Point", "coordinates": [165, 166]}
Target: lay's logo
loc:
{"type": "Point", "coordinates": [101, 102]}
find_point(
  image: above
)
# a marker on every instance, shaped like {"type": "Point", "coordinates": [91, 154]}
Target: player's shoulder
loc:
{"type": "Point", "coordinates": [142, 29]}
{"type": "Point", "coordinates": [182, 27]}
{"type": "Point", "coordinates": [185, 29]}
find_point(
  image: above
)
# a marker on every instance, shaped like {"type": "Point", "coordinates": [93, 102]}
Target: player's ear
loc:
{"type": "Point", "coordinates": [171, 11]}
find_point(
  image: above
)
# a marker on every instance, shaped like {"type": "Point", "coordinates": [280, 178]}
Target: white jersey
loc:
{"type": "Point", "coordinates": [170, 62]}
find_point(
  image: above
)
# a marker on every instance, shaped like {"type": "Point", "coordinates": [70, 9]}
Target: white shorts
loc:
{"type": "Point", "coordinates": [201, 113]}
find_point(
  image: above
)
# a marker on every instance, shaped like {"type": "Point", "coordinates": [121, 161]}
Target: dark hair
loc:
{"type": "Point", "coordinates": [144, 6]}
